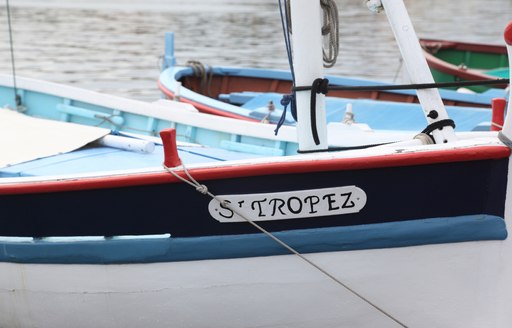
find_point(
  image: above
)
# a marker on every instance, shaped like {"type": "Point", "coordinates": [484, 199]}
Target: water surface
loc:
{"type": "Point", "coordinates": [115, 46]}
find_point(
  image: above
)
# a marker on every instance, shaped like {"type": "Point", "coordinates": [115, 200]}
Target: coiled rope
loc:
{"type": "Point", "coordinates": [330, 31]}
{"type": "Point", "coordinates": [203, 189]}
{"type": "Point", "coordinates": [204, 73]}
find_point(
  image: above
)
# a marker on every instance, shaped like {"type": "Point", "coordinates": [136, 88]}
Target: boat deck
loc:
{"type": "Point", "coordinates": [98, 158]}
{"type": "Point", "coordinates": [381, 115]}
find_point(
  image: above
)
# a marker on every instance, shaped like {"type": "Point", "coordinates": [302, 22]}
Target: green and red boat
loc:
{"type": "Point", "coordinates": [452, 61]}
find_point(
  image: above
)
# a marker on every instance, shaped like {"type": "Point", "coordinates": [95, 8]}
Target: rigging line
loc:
{"type": "Point", "coordinates": [17, 98]}
{"type": "Point", "coordinates": [203, 189]}
{"type": "Point", "coordinates": [286, 33]}
{"type": "Point", "coordinates": [386, 87]}
{"type": "Point", "coordinates": [399, 68]}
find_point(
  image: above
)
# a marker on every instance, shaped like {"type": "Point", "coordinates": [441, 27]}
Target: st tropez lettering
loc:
{"type": "Point", "coordinates": [289, 205]}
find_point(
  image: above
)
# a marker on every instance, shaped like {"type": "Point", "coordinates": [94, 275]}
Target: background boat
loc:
{"type": "Point", "coordinates": [256, 94]}
{"type": "Point", "coordinates": [88, 45]}
{"type": "Point", "coordinates": [465, 61]}
{"type": "Point", "coordinates": [70, 104]}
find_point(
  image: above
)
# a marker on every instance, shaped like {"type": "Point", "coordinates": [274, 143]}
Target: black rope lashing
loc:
{"type": "Point", "coordinates": [438, 125]}
{"type": "Point", "coordinates": [427, 131]}
{"type": "Point", "coordinates": [318, 86]}
{"type": "Point", "coordinates": [416, 86]}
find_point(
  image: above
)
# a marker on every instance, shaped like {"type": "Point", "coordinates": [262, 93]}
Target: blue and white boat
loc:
{"type": "Point", "coordinates": [255, 94]}
{"type": "Point", "coordinates": [407, 234]}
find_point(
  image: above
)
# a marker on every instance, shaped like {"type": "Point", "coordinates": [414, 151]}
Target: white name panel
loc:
{"type": "Point", "coordinates": [289, 205]}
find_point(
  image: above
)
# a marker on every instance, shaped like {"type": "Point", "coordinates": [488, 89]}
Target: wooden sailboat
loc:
{"type": "Point", "coordinates": [400, 235]}
{"type": "Point", "coordinates": [466, 61]}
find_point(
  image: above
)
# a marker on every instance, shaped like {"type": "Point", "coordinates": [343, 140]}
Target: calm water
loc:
{"type": "Point", "coordinates": [115, 46]}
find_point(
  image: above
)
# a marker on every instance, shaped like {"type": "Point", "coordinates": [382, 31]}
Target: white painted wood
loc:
{"type": "Point", "coordinates": [417, 66]}
{"type": "Point", "coordinates": [308, 66]}
{"type": "Point", "coordinates": [294, 204]}
{"type": "Point", "coordinates": [131, 144]}
{"type": "Point", "coordinates": [442, 286]}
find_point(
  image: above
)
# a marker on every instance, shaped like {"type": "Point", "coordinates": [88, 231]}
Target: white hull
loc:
{"type": "Point", "coordinates": [438, 285]}
{"type": "Point", "coordinates": [442, 285]}
{"type": "Point", "coordinates": [447, 285]}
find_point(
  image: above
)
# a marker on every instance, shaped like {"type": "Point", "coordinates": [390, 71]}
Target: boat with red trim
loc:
{"type": "Point", "coordinates": [466, 61]}
{"type": "Point", "coordinates": [257, 94]}
{"type": "Point", "coordinates": [400, 234]}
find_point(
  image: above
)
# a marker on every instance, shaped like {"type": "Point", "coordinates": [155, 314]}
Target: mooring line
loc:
{"type": "Point", "coordinates": [203, 189]}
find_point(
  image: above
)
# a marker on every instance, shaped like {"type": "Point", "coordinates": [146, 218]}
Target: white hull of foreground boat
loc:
{"type": "Point", "coordinates": [448, 285]}
{"type": "Point", "coordinates": [397, 236]}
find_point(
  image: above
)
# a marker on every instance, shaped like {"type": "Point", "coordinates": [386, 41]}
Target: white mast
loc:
{"type": "Point", "coordinates": [416, 64]}
{"type": "Point", "coordinates": [308, 65]}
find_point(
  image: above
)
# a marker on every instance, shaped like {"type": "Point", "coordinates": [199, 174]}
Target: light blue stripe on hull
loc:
{"type": "Point", "coordinates": [146, 250]}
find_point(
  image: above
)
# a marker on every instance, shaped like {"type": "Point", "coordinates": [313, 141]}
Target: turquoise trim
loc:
{"type": "Point", "coordinates": [145, 250]}
{"type": "Point", "coordinates": [57, 108]}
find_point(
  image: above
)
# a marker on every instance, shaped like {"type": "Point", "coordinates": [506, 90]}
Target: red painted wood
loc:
{"type": "Point", "coordinates": [508, 34]}
{"type": "Point", "coordinates": [171, 156]}
{"type": "Point", "coordinates": [277, 167]}
{"type": "Point", "coordinates": [204, 108]}
{"type": "Point", "coordinates": [498, 113]}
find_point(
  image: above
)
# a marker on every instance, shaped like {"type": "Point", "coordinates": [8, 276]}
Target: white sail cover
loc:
{"type": "Point", "coordinates": [24, 138]}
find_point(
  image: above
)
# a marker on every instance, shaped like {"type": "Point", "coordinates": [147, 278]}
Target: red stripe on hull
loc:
{"type": "Point", "coordinates": [202, 107]}
{"type": "Point", "coordinates": [245, 170]}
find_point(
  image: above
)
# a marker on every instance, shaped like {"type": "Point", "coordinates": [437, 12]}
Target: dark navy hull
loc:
{"type": "Point", "coordinates": [393, 194]}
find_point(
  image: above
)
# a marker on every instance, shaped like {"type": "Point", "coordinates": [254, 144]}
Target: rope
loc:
{"type": "Point", "coordinates": [408, 86]}
{"type": "Point", "coordinates": [287, 31]}
{"type": "Point", "coordinates": [285, 101]}
{"type": "Point", "coordinates": [17, 98]}
{"type": "Point", "coordinates": [330, 31]}
{"type": "Point", "coordinates": [438, 125]}
{"type": "Point", "coordinates": [497, 125]}
{"type": "Point", "coordinates": [398, 69]}
{"type": "Point", "coordinates": [203, 189]}
{"type": "Point", "coordinates": [319, 86]}
{"type": "Point", "coordinates": [205, 73]}
{"type": "Point", "coordinates": [108, 119]}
